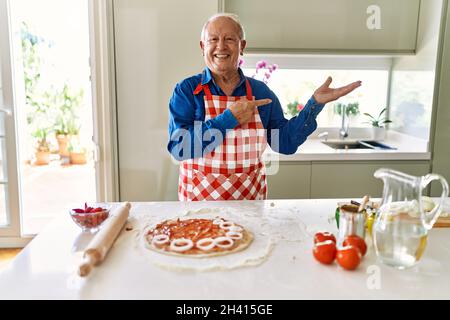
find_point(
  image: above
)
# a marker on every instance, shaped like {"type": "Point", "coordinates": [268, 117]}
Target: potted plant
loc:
{"type": "Point", "coordinates": [47, 106]}
{"type": "Point", "coordinates": [378, 129]}
{"type": "Point", "coordinates": [65, 124]}
{"type": "Point", "coordinates": [65, 129]}
{"type": "Point", "coordinates": [77, 153]}
{"type": "Point", "coordinates": [62, 137]}
{"type": "Point", "coordinates": [42, 152]}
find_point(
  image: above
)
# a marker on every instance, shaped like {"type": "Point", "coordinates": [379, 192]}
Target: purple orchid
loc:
{"type": "Point", "coordinates": [265, 68]}
{"type": "Point", "coordinates": [261, 64]}
{"type": "Point", "coordinates": [273, 67]}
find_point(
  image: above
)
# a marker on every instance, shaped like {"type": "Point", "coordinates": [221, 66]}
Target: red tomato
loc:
{"type": "Point", "coordinates": [357, 241]}
{"type": "Point", "coordinates": [325, 252]}
{"type": "Point", "coordinates": [323, 236]}
{"type": "Point", "coordinates": [349, 257]}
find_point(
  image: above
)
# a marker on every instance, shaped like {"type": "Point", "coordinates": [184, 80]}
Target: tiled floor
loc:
{"type": "Point", "coordinates": [51, 190]}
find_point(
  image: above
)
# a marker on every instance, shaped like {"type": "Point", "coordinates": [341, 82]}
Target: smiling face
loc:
{"type": "Point", "coordinates": [221, 46]}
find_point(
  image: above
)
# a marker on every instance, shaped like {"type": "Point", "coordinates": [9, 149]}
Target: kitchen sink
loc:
{"type": "Point", "coordinates": [345, 145]}
{"type": "Point", "coordinates": [360, 144]}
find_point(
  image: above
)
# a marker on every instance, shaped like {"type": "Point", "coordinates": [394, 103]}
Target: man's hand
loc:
{"type": "Point", "coordinates": [244, 110]}
{"type": "Point", "coordinates": [325, 94]}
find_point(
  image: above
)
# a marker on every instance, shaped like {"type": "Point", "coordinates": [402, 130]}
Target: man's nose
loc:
{"type": "Point", "coordinates": [221, 43]}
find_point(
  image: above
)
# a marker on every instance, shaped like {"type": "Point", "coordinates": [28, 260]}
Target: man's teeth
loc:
{"type": "Point", "coordinates": [221, 55]}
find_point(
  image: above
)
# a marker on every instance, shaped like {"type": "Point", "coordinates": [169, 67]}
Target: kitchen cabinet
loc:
{"type": "Point", "coordinates": [291, 181]}
{"type": "Point", "coordinates": [324, 25]}
{"type": "Point", "coordinates": [347, 179]}
{"type": "Point", "coordinates": [334, 179]}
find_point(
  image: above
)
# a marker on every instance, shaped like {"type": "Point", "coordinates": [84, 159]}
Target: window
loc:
{"type": "Point", "coordinates": [297, 77]}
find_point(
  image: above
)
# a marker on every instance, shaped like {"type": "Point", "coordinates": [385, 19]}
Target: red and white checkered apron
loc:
{"type": "Point", "coordinates": [234, 169]}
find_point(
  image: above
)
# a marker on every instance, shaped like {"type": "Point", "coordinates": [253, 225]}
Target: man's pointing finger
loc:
{"type": "Point", "coordinates": [260, 102]}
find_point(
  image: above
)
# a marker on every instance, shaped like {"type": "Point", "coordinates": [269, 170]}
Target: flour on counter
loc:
{"type": "Point", "coordinates": [268, 228]}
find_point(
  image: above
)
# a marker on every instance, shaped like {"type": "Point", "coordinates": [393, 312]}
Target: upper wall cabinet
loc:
{"type": "Point", "coordinates": [383, 26]}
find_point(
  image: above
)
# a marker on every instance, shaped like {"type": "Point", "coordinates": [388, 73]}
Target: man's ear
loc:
{"type": "Point", "coordinates": [243, 44]}
{"type": "Point", "coordinates": [202, 46]}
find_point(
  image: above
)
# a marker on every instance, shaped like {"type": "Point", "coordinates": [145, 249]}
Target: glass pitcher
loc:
{"type": "Point", "coordinates": [402, 223]}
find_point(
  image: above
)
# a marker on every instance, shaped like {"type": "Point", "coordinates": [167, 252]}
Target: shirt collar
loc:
{"type": "Point", "coordinates": [207, 76]}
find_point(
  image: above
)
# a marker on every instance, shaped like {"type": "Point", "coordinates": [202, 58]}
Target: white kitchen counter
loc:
{"type": "Point", "coordinates": [407, 148]}
{"type": "Point", "coordinates": [45, 268]}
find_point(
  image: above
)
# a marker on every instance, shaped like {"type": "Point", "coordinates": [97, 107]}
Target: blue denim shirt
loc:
{"type": "Point", "coordinates": [187, 111]}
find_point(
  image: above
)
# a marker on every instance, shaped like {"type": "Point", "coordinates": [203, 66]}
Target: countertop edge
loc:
{"type": "Point", "coordinates": [348, 157]}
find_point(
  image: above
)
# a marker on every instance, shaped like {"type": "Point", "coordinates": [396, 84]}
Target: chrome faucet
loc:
{"type": "Point", "coordinates": [343, 132]}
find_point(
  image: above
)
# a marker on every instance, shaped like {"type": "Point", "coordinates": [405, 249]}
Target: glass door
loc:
{"type": "Point", "coordinates": [48, 160]}
{"type": "Point", "coordinates": [9, 195]}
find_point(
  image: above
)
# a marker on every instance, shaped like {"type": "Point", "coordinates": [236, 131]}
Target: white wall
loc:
{"type": "Point", "coordinates": [157, 45]}
{"type": "Point", "coordinates": [413, 76]}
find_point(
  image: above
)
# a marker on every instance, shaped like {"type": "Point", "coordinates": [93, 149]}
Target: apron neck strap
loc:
{"type": "Point", "coordinates": [205, 87]}
{"type": "Point", "coordinates": [248, 90]}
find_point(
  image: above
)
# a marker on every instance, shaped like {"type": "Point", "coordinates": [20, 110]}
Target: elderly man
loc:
{"type": "Point", "coordinates": [221, 121]}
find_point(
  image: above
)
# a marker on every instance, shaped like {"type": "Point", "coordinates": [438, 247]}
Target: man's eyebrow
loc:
{"type": "Point", "coordinates": [231, 35]}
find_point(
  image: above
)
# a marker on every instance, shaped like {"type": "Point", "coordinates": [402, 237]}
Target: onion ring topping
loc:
{"type": "Point", "coordinates": [226, 225]}
{"type": "Point", "coordinates": [234, 235]}
{"type": "Point", "coordinates": [219, 241]}
{"type": "Point", "coordinates": [160, 239]}
{"type": "Point", "coordinates": [181, 244]}
{"type": "Point", "coordinates": [205, 244]}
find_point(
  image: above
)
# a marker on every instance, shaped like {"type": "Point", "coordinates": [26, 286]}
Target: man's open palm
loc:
{"type": "Point", "coordinates": [325, 94]}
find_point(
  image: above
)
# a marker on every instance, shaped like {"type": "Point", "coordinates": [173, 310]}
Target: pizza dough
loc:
{"type": "Point", "coordinates": [197, 237]}
{"type": "Point", "coordinates": [266, 224]}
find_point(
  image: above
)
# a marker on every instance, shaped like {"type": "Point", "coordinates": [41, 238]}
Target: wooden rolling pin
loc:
{"type": "Point", "coordinates": [103, 240]}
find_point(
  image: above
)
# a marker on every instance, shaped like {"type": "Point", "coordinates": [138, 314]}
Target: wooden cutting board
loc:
{"type": "Point", "coordinates": [442, 222]}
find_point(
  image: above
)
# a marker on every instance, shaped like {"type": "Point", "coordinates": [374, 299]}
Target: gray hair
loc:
{"type": "Point", "coordinates": [231, 16]}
